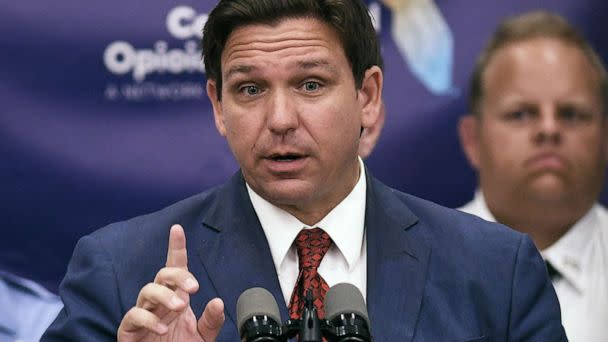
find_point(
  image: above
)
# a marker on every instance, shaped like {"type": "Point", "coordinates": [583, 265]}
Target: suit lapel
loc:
{"type": "Point", "coordinates": [396, 265]}
{"type": "Point", "coordinates": [237, 256]}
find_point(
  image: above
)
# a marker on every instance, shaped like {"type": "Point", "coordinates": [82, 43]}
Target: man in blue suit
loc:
{"type": "Point", "coordinates": [293, 84]}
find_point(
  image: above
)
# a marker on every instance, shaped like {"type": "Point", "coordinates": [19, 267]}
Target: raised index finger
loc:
{"type": "Point", "coordinates": [177, 256]}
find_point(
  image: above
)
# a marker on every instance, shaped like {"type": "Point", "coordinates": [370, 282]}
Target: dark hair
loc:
{"type": "Point", "coordinates": [349, 18]}
{"type": "Point", "coordinates": [537, 24]}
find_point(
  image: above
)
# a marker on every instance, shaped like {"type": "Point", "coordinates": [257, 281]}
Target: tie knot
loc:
{"type": "Point", "coordinates": [312, 244]}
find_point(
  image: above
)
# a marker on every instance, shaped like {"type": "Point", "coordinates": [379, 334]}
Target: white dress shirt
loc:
{"type": "Point", "coordinates": [581, 258]}
{"type": "Point", "coordinates": [345, 260]}
{"type": "Point", "coordinates": [26, 309]}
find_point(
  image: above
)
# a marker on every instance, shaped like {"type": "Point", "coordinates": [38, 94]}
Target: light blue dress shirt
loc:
{"type": "Point", "coordinates": [26, 309]}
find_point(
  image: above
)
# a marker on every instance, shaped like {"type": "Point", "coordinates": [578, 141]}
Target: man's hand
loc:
{"type": "Point", "coordinates": [163, 312]}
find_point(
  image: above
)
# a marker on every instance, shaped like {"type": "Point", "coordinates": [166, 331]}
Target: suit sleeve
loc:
{"type": "Point", "coordinates": [535, 313]}
{"type": "Point", "coordinates": [92, 310]}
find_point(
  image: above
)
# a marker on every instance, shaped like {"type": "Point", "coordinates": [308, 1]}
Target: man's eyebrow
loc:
{"type": "Point", "coordinates": [317, 63]}
{"type": "Point", "coordinates": [581, 102]}
{"type": "Point", "coordinates": [239, 69]}
{"type": "Point", "coordinates": [305, 65]}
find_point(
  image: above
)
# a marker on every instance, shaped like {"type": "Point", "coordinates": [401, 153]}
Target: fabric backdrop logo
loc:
{"type": "Point", "coordinates": [425, 42]}
{"type": "Point", "coordinates": [122, 58]}
{"type": "Point", "coordinates": [421, 35]}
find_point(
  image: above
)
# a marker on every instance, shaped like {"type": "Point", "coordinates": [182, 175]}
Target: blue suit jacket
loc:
{"type": "Point", "coordinates": [433, 274]}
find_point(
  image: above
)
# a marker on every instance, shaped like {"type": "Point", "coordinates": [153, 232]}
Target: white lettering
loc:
{"type": "Point", "coordinates": [120, 58]}
{"type": "Point", "coordinates": [184, 23]}
{"type": "Point", "coordinates": [155, 91]}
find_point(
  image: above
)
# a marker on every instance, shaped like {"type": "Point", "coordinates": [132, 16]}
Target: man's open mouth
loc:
{"type": "Point", "coordinates": [285, 157]}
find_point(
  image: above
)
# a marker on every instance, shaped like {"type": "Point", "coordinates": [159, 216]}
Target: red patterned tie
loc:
{"type": "Point", "coordinates": [312, 244]}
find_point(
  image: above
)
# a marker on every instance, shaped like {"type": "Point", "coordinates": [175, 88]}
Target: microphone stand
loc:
{"type": "Point", "coordinates": [310, 326]}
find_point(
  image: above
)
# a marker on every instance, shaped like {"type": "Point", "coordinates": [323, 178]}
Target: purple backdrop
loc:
{"type": "Point", "coordinates": [103, 115]}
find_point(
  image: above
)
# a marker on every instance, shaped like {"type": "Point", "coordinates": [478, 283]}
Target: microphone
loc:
{"type": "Point", "coordinates": [258, 316]}
{"type": "Point", "coordinates": [346, 318]}
{"type": "Point", "coordinates": [346, 315]}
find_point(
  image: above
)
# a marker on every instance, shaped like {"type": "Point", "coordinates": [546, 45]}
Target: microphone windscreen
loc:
{"type": "Point", "coordinates": [256, 301]}
{"type": "Point", "coordinates": [345, 298]}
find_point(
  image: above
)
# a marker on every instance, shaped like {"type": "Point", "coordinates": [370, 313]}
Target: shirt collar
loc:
{"type": "Point", "coordinates": [26, 286]}
{"type": "Point", "coordinates": [344, 223]}
{"type": "Point", "coordinates": [479, 207]}
{"type": "Point", "coordinates": [568, 255]}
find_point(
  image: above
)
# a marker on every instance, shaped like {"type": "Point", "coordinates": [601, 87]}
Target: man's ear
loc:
{"type": "Point", "coordinates": [468, 132]}
{"type": "Point", "coordinates": [218, 115]}
{"type": "Point", "coordinates": [370, 96]}
{"type": "Point", "coordinates": [370, 135]}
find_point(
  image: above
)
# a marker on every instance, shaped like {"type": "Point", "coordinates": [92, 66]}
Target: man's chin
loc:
{"type": "Point", "coordinates": [287, 192]}
{"type": "Point", "coordinates": [550, 189]}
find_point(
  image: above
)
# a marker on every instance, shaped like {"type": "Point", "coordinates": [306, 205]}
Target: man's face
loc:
{"type": "Point", "coordinates": [541, 135]}
{"type": "Point", "coordinates": [291, 113]}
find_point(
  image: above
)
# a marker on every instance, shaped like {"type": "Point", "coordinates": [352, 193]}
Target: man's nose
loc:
{"type": "Point", "coordinates": [282, 114]}
{"type": "Point", "coordinates": [548, 126]}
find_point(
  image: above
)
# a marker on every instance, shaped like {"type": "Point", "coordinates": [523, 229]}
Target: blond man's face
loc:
{"type": "Point", "coordinates": [542, 133]}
